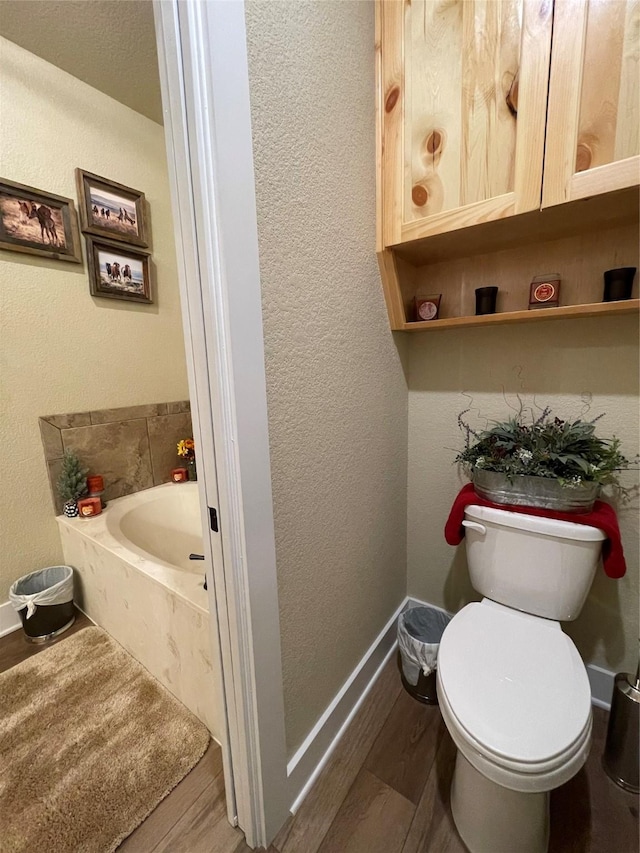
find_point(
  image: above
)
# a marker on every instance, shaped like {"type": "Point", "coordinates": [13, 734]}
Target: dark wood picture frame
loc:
{"type": "Point", "coordinates": [21, 211]}
{"type": "Point", "coordinates": [106, 216]}
{"type": "Point", "coordinates": [112, 287]}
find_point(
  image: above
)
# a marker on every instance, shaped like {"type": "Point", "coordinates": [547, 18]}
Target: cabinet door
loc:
{"type": "Point", "coordinates": [462, 98]}
{"type": "Point", "coordinates": [594, 100]}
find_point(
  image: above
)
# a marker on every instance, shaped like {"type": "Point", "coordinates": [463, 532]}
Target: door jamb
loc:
{"type": "Point", "coordinates": [204, 74]}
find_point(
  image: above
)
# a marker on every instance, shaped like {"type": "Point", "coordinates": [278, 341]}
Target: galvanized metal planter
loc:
{"type": "Point", "coordinates": [542, 492]}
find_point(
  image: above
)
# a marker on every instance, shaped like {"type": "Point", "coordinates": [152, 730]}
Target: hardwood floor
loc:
{"type": "Point", "coordinates": [14, 648]}
{"type": "Point", "coordinates": [385, 789]}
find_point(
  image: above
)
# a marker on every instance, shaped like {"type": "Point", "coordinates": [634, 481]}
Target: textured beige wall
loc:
{"type": "Point", "coordinates": [556, 363]}
{"type": "Point", "coordinates": [336, 391]}
{"type": "Point", "coordinates": [61, 349]}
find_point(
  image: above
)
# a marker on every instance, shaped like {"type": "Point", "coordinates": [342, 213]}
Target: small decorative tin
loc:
{"type": "Point", "coordinates": [95, 484]}
{"type": "Point", "coordinates": [545, 291]}
{"type": "Point", "coordinates": [88, 507]}
{"type": "Point", "coordinates": [179, 475]}
{"type": "Point", "coordinates": [427, 307]}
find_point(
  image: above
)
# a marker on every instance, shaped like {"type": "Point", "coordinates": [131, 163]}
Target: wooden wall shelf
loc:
{"type": "Point", "coordinates": [580, 260]}
{"type": "Point", "coordinates": [596, 309]}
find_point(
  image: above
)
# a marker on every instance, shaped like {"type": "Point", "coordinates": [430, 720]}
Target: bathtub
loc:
{"type": "Point", "coordinates": [134, 579]}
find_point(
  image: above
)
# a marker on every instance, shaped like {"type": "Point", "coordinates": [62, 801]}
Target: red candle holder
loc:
{"type": "Point", "coordinates": [88, 507]}
{"type": "Point", "coordinates": [179, 475]}
{"type": "Point", "coordinates": [95, 484]}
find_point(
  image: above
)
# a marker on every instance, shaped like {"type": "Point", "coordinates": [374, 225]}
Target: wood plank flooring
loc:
{"type": "Point", "coordinates": [385, 789]}
{"type": "Point", "coordinates": [395, 798]}
{"type": "Point", "coordinates": [14, 648]}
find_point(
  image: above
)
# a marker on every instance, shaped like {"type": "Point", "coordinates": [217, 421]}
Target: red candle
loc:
{"type": "Point", "coordinates": [95, 484]}
{"type": "Point", "coordinates": [89, 506]}
{"type": "Point", "coordinates": [179, 475]}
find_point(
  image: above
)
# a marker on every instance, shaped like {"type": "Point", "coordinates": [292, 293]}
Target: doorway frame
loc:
{"type": "Point", "coordinates": [203, 66]}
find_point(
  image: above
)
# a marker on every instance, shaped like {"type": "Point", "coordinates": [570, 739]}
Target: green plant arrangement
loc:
{"type": "Point", "coordinates": [566, 451]}
{"type": "Point", "coordinates": [72, 483]}
{"type": "Point", "coordinates": [540, 460]}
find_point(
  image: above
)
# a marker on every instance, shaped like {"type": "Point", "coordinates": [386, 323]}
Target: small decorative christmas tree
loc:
{"type": "Point", "coordinates": [72, 483]}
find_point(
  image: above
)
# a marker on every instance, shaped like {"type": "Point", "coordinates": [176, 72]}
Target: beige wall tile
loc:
{"type": "Point", "coordinates": [127, 413]}
{"type": "Point", "coordinates": [54, 468]}
{"type": "Point", "coordinates": [77, 419]}
{"type": "Point", "coordinates": [118, 451]}
{"type": "Point", "coordinates": [128, 470]}
{"type": "Point", "coordinates": [179, 406]}
{"type": "Point", "coordinates": [51, 439]}
{"type": "Point", "coordinates": [164, 434]}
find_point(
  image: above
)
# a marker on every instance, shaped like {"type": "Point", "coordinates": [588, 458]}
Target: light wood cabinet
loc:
{"type": "Point", "coordinates": [463, 98]}
{"type": "Point", "coordinates": [593, 139]}
{"type": "Point", "coordinates": [501, 123]}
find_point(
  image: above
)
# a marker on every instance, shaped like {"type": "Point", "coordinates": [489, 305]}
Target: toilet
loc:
{"type": "Point", "coordinates": [513, 690]}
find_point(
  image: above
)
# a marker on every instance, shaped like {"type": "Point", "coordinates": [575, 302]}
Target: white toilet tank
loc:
{"type": "Point", "coordinates": [538, 565]}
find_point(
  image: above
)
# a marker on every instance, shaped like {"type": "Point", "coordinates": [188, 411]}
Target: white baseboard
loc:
{"type": "Point", "coordinates": [307, 763]}
{"type": "Point", "coordinates": [601, 680]}
{"type": "Point", "coordinates": [9, 619]}
{"type": "Point", "coordinates": [305, 766]}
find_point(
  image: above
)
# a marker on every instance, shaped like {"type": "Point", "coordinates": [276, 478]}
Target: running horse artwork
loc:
{"type": "Point", "coordinates": [25, 211]}
{"type": "Point", "coordinates": [47, 225]}
{"type": "Point", "coordinates": [112, 211]}
{"type": "Point", "coordinates": [117, 272]}
{"type": "Point", "coordinates": [38, 223]}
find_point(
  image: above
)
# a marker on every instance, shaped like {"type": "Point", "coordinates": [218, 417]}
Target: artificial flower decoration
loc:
{"type": "Point", "coordinates": [187, 448]}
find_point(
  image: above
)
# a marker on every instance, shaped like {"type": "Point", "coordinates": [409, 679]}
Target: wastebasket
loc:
{"type": "Point", "coordinates": [44, 600]}
{"type": "Point", "coordinates": [620, 757]}
{"type": "Point", "coordinates": [420, 630]}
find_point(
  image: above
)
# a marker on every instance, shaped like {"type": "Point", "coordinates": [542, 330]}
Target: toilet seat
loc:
{"type": "Point", "coordinates": [515, 696]}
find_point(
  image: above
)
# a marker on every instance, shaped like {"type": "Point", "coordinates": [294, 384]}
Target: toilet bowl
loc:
{"type": "Point", "coordinates": [515, 697]}
{"type": "Point", "coordinates": [513, 690]}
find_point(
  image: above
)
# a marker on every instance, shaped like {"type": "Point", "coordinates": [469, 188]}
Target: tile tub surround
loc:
{"type": "Point", "coordinates": [158, 612]}
{"type": "Point", "coordinates": [134, 447]}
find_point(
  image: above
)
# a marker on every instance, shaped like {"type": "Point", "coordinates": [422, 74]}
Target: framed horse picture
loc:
{"type": "Point", "coordinates": [38, 223]}
{"type": "Point", "coordinates": [111, 210]}
{"type": "Point", "coordinates": [117, 272]}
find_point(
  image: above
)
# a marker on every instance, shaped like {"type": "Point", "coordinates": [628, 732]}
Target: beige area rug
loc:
{"type": "Point", "coordinates": [89, 745]}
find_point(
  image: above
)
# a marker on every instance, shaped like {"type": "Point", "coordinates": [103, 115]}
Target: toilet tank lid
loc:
{"type": "Point", "coordinates": [535, 524]}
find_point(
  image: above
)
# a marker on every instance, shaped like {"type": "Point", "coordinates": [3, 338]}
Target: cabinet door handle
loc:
{"type": "Point", "coordinates": [474, 525]}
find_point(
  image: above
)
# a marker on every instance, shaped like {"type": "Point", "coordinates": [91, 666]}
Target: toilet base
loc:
{"type": "Point", "coordinates": [493, 819]}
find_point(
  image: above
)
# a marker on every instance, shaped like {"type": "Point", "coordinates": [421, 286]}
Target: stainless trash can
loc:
{"type": "Point", "coordinates": [621, 755]}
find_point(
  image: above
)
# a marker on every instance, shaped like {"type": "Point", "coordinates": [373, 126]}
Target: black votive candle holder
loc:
{"type": "Point", "coordinates": [486, 300]}
{"type": "Point", "coordinates": [618, 284]}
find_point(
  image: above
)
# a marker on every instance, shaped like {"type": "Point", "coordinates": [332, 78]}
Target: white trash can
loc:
{"type": "Point", "coordinates": [420, 630]}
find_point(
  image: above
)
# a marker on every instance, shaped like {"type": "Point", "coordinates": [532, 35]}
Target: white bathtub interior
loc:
{"type": "Point", "coordinates": [134, 579]}
{"type": "Point", "coordinates": [166, 525]}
